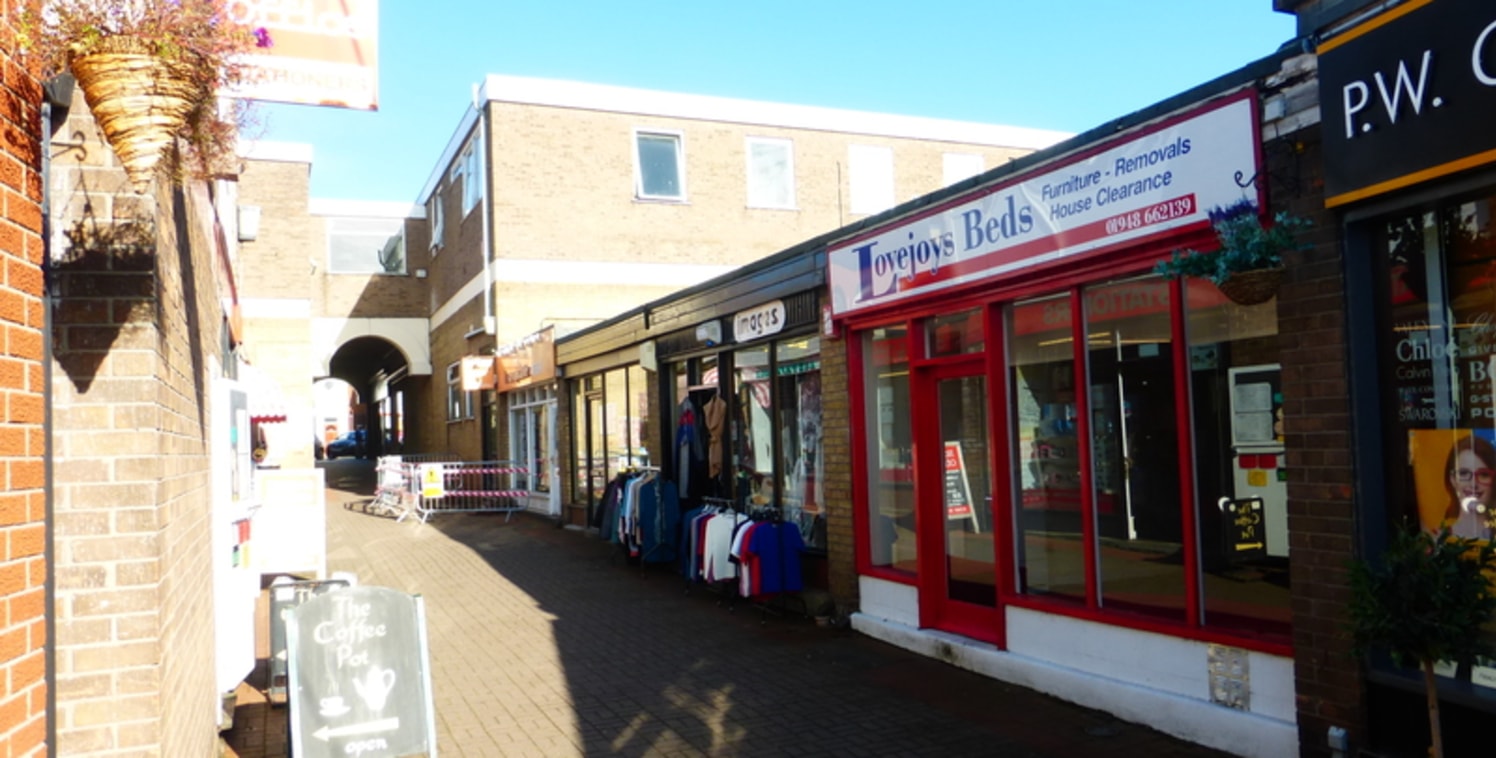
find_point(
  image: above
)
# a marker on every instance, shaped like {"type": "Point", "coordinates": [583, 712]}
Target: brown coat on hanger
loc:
{"type": "Point", "coordinates": [716, 413]}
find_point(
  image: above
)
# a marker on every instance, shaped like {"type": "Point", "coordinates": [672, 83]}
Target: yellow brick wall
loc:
{"type": "Point", "coordinates": [136, 342]}
{"type": "Point", "coordinates": [449, 343]}
{"type": "Point", "coordinates": [288, 258]}
{"type": "Point", "coordinates": [564, 187]}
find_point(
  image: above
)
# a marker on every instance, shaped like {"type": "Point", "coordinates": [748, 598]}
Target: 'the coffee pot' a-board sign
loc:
{"type": "Point", "coordinates": [359, 685]}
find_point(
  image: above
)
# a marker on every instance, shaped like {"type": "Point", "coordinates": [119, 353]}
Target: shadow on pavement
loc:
{"type": "Point", "coordinates": [544, 641]}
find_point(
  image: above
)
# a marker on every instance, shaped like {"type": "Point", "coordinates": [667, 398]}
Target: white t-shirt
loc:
{"type": "Point", "coordinates": [717, 545]}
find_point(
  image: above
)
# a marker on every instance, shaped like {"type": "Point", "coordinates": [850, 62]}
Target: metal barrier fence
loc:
{"type": "Point", "coordinates": [395, 490]}
{"type": "Point", "coordinates": [409, 486]}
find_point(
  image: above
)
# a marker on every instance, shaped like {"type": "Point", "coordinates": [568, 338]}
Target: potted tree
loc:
{"type": "Point", "coordinates": [1424, 600]}
{"type": "Point", "coordinates": [150, 70]}
{"type": "Point", "coordinates": [1248, 264]}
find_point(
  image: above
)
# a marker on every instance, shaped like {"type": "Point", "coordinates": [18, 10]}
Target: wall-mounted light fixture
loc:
{"type": "Point", "coordinates": [710, 333]}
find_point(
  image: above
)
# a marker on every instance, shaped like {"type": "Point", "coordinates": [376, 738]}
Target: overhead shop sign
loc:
{"type": "Point", "coordinates": [477, 372]}
{"type": "Point", "coordinates": [1408, 96]}
{"type": "Point", "coordinates": [1118, 194]}
{"type": "Point", "coordinates": [529, 361]}
{"type": "Point", "coordinates": [322, 52]}
{"type": "Point", "coordinates": [760, 321]}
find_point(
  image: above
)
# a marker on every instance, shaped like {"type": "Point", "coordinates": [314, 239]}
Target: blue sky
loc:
{"type": "Point", "coordinates": [1066, 65]}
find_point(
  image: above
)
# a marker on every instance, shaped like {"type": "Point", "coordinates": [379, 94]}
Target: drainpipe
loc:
{"type": "Point", "coordinates": [490, 321]}
{"type": "Point", "coordinates": [490, 324]}
{"type": "Point", "coordinates": [58, 91]}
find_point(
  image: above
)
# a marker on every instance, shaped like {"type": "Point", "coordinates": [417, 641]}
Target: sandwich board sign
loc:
{"type": "Point", "coordinates": [358, 683]}
{"type": "Point", "coordinates": [284, 597]}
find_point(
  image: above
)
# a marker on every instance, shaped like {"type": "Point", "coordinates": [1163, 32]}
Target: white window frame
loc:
{"type": "Point", "coordinates": [470, 166]}
{"type": "Point", "coordinates": [437, 219]}
{"type": "Point", "coordinates": [955, 167]}
{"type": "Point", "coordinates": [339, 227]}
{"type": "Point", "coordinates": [759, 195]}
{"type": "Point", "coordinates": [454, 176]}
{"type": "Point", "coordinates": [680, 165]}
{"type": "Point", "coordinates": [454, 388]}
{"type": "Point", "coordinates": [870, 176]}
{"type": "Point", "coordinates": [523, 405]}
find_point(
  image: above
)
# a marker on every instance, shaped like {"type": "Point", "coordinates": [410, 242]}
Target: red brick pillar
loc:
{"type": "Point", "coordinates": [23, 561]}
{"type": "Point", "coordinates": [1322, 507]}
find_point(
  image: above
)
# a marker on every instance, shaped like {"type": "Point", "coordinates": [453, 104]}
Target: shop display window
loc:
{"type": "Point", "coordinates": [520, 442]}
{"type": "Point", "coordinates": [538, 460]}
{"type": "Point", "coordinates": [615, 423]}
{"type": "Point", "coordinates": [1241, 481]}
{"type": "Point", "coordinates": [797, 376]}
{"type": "Point", "coordinates": [1098, 491]}
{"type": "Point", "coordinates": [1042, 414]}
{"type": "Point", "coordinates": [1438, 359]}
{"type": "Point", "coordinates": [530, 414]}
{"type": "Point", "coordinates": [597, 448]}
{"type": "Point", "coordinates": [580, 445]}
{"type": "Point", "coordinates": [752, 428]}
{"type": "Point", "coordinates": [757, 446]}
{"type": "Point", "coordinates": [638, 410]}
{"type": "Point", "coordinates": [889, 454]}
{"type": "Point", "coordinates": [608, 421]}
{"type": "Point", "coordinates": [1134, 447]}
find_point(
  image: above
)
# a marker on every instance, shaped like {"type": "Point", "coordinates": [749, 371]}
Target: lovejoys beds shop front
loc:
{"type": "Point", "coordinates": [1068, 471]}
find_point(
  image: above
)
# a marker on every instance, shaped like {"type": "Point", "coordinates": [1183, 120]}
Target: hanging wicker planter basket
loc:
{"type": "Point", "coordinates": [140, 100]}
{"type": "Point", "coordinates": [1252, 287]}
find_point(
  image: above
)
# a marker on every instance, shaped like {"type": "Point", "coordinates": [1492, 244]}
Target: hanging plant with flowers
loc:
{"type": "Point", "coordinates": [1249, 261]}
{"type": "Point", "coordinates": [151, 72]}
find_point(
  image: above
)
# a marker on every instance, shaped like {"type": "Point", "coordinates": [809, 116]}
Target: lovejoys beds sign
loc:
{"type": "Point", "coordinates": [1117, 194]}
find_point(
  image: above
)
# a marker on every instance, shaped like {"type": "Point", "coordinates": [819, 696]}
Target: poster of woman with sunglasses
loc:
{"type": "Point", "coordinates": [1455, 475]}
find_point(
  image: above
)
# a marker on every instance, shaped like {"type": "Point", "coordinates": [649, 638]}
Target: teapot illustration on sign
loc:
{"type": "Point", "coordinates": [374, 686]}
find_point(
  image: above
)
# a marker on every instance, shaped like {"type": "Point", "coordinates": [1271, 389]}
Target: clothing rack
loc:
{"type": "Point", "coordinates": [639, 514]}
{"type": "Point", "coordinates": [727, 590]}
{"type": "Point", "coordinates": [724, 589]}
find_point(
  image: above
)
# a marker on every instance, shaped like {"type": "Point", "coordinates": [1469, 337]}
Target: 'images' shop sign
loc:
{"type": "Point", "coordinates": [1151, 186]}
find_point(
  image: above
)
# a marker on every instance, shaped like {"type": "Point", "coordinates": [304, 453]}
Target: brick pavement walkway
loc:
{"type": "Point", "coordinates": [544, 643]}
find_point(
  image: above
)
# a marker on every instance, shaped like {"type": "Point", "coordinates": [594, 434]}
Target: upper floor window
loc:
{"type": "Point", "coordinates": [771, 173]}
{"type": "Point", "coordinates": [436, 217]}
{"type": "Point", "coordinates": [471, 163]}
{"type": "Point", "coordinates": [454, 176]}
{"type": "Point", "coordinates": [658, 173]}
{"type": "Point", "coordinates": [459, 401]}
{"type": "Point", "coordinates": [870, 172]}
{"type": "Point", "coordinates": [365, 246]}
{"type": "Point", "coordinates": [957, 166]}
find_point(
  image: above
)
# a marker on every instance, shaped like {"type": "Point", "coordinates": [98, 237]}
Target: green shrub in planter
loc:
{"type": "Point", "coordinates": [1424, 600]}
